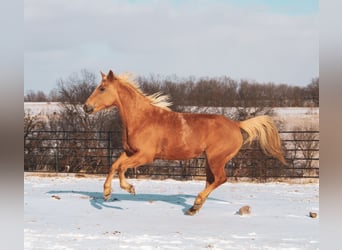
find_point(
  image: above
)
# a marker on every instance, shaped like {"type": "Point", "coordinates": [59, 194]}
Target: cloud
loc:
{"type": "Point", "coordinates": [201, 38]}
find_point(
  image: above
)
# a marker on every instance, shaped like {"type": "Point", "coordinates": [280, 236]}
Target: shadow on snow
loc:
{"type": "Point", "coordinates": [97, 201]}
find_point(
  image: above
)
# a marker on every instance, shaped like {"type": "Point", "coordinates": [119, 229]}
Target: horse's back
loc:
{"type": "Point", "coordinates": [211, 124]}
{"type": "Point", "coordinates": [216, 127]}
{"type": "Point", "coordinates": [188, 135]}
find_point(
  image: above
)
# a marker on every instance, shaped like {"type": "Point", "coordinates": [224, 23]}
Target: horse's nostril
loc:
{"type": "Point", "coordinates": [88, 109]}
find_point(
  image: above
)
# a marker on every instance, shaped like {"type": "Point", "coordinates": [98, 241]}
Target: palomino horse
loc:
{"type": "Point", "coordinates": [152, 131]}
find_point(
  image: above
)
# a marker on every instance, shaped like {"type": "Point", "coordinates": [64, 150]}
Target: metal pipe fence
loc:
{"type": "Point", "coordinates": [94, 152]}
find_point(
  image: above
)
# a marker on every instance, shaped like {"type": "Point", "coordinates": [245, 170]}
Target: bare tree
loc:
{"type": "Point", "coordinates": [34, 158]}
{"type": "Point", "coordinates": [312, 92]}
{"type": "Point", "coordinates": [306, 144]}
{"type": "Point", "coordinates": [77, 87]}
{"type": "Point", "coordinates": [32, 122]}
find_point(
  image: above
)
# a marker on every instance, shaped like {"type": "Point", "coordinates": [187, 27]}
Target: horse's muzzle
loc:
{"type": "Point", "coordinates": [88, 108]}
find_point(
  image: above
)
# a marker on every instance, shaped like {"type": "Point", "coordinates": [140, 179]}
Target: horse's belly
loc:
{"type": "Point", "coordinates": [178, 152]}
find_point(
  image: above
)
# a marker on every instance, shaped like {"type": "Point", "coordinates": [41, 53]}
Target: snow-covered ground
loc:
{"type": "Point", "coordinates": [66, 212]}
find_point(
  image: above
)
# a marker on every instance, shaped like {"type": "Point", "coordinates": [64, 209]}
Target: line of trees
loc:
{"type": "Point", "coordinates": [206, 91]}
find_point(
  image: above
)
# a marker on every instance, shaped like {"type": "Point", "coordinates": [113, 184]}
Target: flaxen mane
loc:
{"type": "Point", "coordinates": [157, 99]}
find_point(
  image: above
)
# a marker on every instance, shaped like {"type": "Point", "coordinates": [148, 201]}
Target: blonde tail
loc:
{"type": "Point", "coordinates": [263, 129]}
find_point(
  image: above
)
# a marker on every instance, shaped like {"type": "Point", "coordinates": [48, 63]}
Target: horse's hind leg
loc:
{"type": "Point", "coordinates": [216, 176]}
{"type": "Point", "coordinates": [209, 175]}
{"type": "Point", "coordinates": [219, 178]}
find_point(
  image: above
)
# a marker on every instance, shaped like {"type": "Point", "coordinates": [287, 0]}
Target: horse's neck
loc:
{"type": "Point", "coordinates": [133, 107]}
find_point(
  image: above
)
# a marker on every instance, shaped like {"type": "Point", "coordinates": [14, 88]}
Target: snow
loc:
{"type": "Point", "coordinates": [43, 108]}
{"type": "Point", "coordinates": [48, 108]}
{"type": "Point", "coordinates": [67, 212]}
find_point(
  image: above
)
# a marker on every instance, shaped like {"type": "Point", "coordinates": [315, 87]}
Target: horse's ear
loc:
{"type": "Point", "coordinates": [103, 74]}
{"type": "Point", "coordinates": [110, 75]}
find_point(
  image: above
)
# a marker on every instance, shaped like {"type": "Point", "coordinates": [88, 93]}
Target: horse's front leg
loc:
{"type": "Point", "coordinates": [133, 161]}
{"type": "Point", "coordinates": [107, 187]}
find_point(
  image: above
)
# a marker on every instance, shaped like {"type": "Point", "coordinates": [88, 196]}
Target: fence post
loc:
{"type": "Point", "coordinates": [56, 157]}
{"type": "Point", "coordinates": [109, 147]}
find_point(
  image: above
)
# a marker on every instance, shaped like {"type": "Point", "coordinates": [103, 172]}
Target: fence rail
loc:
{"type": "Point", "coordinates": [94, 152]}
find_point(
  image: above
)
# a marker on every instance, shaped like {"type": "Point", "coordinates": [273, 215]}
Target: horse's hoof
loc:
{"type": "Point", "coordinates": [191, 211]}
{"type": "Point", "coordinates": [131, 190]}
{"type": "Point", "coordinates": [106, 197]}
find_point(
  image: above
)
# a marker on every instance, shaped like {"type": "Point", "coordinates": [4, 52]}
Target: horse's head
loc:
{"type": "Point", "coordinates": [104, 96]}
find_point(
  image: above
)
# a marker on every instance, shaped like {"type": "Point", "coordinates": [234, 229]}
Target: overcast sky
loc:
{"type": "Point", "coordinates": [261, 40]}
